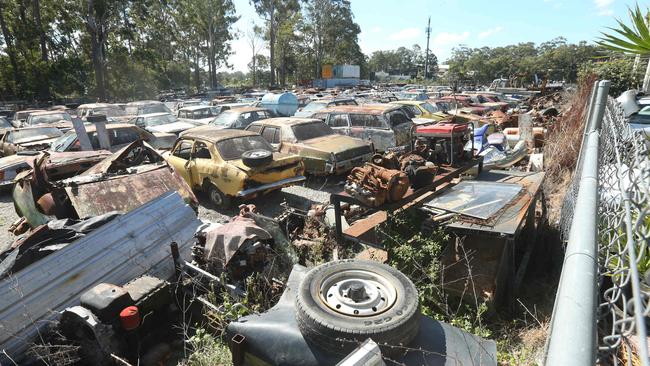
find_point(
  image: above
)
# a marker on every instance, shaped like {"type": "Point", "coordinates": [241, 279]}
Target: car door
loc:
{"type": "Point", "coordinates": [180, 159]}
{"type": "Point", "coordinates": [200, 165]}
{"type": "Point", "coordinates": [339, 122]}
{"type": "Point", "coordinates": [377, 130]}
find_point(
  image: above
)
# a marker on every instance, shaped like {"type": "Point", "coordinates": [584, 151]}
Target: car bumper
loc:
{"type": "Point", "coordinates": [252, 192]}
{"type": "Point", "coordinates": [345, 166]}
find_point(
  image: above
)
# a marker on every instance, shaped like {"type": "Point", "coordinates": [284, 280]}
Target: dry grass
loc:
{"type": "Point", "coordinates": [562, 147]}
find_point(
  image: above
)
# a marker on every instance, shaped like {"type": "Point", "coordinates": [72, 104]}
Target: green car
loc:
{"type": "Point", "coordinates": [323, 150]}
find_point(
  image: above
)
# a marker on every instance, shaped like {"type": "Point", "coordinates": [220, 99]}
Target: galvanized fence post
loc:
{"type": "Point", "coordinates": [573, 327]}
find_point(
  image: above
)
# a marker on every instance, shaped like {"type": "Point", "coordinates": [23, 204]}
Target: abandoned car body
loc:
{"type": "Point", "coordinates": [161, 123]}
{"type": "Point", "coordinates": [239, 118]}
{"type": "Point", "coordinates": [231, 164]}
{"type": "Point", "coordinates": [387, 126]}
{"type": "Point", "coordinates": [323, 150]}
{"type": "Point", "coordinates": [122, 182]}
{"type": "Point", "coordinates": [28, 138]}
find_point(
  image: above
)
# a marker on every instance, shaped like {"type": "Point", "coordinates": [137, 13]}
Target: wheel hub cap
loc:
{"type": "Point", "coordinates": [357, 293]}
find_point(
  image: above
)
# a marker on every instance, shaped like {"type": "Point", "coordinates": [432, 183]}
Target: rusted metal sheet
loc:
{"type": "Point", "coordinates": [126, 192]}
{"type": "Point", "coordinates": [125, 248]}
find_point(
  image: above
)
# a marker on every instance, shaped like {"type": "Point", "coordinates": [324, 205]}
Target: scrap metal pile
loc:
{"type": "Point", "coordinates": [113, 248]}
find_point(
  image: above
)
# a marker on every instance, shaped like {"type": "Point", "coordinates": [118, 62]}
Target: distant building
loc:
{"type": "Point", "coordinates": [442, 70]}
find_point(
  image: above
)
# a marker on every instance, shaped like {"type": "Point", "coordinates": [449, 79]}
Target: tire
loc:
{"type": "Point", "coordinates": [218, 198]}
{"type": "Point", "coordinates": [255, 158]}
{"type": "Point", "coordinates": [339, 331]}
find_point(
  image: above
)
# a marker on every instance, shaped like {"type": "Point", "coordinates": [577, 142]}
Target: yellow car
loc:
{"type": "Point", "coordinates": [422, 109]}
{"type": "Point", "coordinates": [229, 164]}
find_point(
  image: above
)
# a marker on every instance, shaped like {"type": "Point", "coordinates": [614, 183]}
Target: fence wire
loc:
{"type": "Point", "coordinates": [623, 239]}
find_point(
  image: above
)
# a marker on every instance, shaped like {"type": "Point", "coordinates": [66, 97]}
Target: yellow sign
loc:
{"type": "Point", "coordinates": [327, 71]}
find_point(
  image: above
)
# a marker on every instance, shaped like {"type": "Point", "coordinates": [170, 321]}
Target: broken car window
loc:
{"type": "Point", "coordinates": [232, 149]}
{"type": "Point", "coordinates": [202, 151]}
{"type": "Point", "coordinates": [338, 120]}
{"type": "Point", "coordinates": [183, 150]}
{"type": "Point", "coordinates": [269, 134]}
{"type": "Point", "coordinates": [397, 118]}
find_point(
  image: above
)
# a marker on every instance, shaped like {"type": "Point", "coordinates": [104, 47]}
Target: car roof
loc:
{"type": "Point", "coordinates": [246, 109]}
{"type": "Point", "coordinates": [285, 121]}
{"type": "Point", "coordinates": [157, 114]}
{"type": "Point", "coordinates": [215, 134]}
{"type": "Point", "coordinates": [195, 107]}
{"type": "Point", "coordinates": [44, 113]}
{"type": "Point", "coordinates": [109, 126]}
{"type": "Point", "coordinates": [408, 102]}
{"type": "Point", "coordinates": [97, 105]}
{"type": "Point", "coordinates": [375, 109]}
{"type": "Point", "coordinates": [142, 102]}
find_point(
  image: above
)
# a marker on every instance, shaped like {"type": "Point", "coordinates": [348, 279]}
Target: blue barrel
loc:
{"type": "Point", "coordinates": [285, 104]}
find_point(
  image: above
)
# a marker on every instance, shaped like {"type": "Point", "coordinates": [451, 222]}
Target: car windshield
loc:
{"type": "Point", "coordinates": [314, 106]}
{"type": "Point", "coordinates": [225, 119]}
{"type": "Point", "coordinates": [232, 149]}
{"type": "Point", "coordinates": [159, 120]}
{"type": "Point", "coordinates": [36, 134]}
{"type": "Point", "coordinates": [4, 123]}
{"type": "Point", "coordinates": [429, 108]}
{"type": "Point", "coordinates": [641, 119]}
{"type": "Point", "coordinates": [48, 118]}
{"type": "Point", "coordinates": [62, 143]}
{"type": "Point", "coordinates": [308, 131]}
{"type": "Point", "coordinates": [109, 111]}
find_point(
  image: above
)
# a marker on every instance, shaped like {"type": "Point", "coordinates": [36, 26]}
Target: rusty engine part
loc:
{"type": "Point", "coordinates": [416, 164]}
{"type": "Point", "coordinates": [374, 185]}
{"type": "Point", "coordinates": [447, 142]}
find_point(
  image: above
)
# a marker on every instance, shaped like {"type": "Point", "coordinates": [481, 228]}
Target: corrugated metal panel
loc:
{"type": "Point", "coordinates": [126, 247]}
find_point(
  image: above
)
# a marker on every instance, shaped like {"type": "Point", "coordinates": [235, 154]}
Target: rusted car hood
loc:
{"type": "Point", "coordinates": [39, 140]}
{"type": "Point", "coordinates": [333, 143]}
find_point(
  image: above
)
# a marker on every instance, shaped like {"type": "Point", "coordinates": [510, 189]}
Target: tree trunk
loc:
{"type": "Point", "coordinates": [254, 71]}
{"type": "Point", "coordinates": [39, 28]}
{"type": "Point", "coordinates": [96, 49]}
{"type": "Point", "coordinates": [272, 43]}
{"type": "Point", "coordinates": [11, 51]}
{"type": "Point", "coordinates": [197, 72]}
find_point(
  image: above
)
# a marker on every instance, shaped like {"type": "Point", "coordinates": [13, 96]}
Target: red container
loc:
{"type": "Point", "coordinates": [130, 317]}
{"type": "Point", "coordinates": [442, 130]}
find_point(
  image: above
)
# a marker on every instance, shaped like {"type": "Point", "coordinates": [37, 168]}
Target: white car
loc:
{"type": "Point", "coordinates": [199, 114]}
{"type": "Point", "coordinates": [161, 122]}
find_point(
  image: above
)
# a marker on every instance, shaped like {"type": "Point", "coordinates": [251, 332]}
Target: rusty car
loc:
{"type": "Point", "coordinates": [48, 118]}
{"type": "Point", "coordinates": [240, 118]}
{"type": "Point", "coordinates": [28, 138]}
{"type": "Point", "coordinates": [386, 125]}
{"type": "Point", "coordinates": [230, 164]}
{"type": "Point", "coordinates": [161, 123]}
{"type": "Point", "coordinates": [323, 150]}
{"type": "Point", "coordinates": [121, 182]}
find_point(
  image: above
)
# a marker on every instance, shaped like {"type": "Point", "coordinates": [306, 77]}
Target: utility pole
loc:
{"type": "Point", "coordinates": [426, 54]}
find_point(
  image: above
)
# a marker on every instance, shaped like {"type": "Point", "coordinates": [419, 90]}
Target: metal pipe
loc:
{"type": "Point", "coordinates": [573, 327]}
{"type": "Point", "coordinates": [234, 290]}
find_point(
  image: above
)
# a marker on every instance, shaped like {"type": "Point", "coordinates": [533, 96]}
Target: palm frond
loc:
{"type": "Point", "coordinates": [629, 39]}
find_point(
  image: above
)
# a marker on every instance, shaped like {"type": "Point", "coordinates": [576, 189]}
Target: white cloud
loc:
{"type": "Point", "coordinates": [405, 34]}
{"type": "Point", "coordinates": [375, 29]}
{"type": "Point", "coordinates": [603, 7]}
{"type": "Point", "coordinates": [489, 32]}
{"type": "Point", "coordinates": [445, 38]}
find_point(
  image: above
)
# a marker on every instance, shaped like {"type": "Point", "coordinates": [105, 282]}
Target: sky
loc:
{"type": "Point", "coordinates": [389, 24]}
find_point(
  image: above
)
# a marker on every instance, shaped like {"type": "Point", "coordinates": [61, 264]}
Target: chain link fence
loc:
{"type": "Point", "coordinates": [612, 183]}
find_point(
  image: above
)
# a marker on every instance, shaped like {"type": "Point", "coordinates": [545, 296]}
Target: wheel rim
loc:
{"type": "Point", "coordinates": [216, 197]}
{"type": "Point", "coordinates": [357, 293]}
